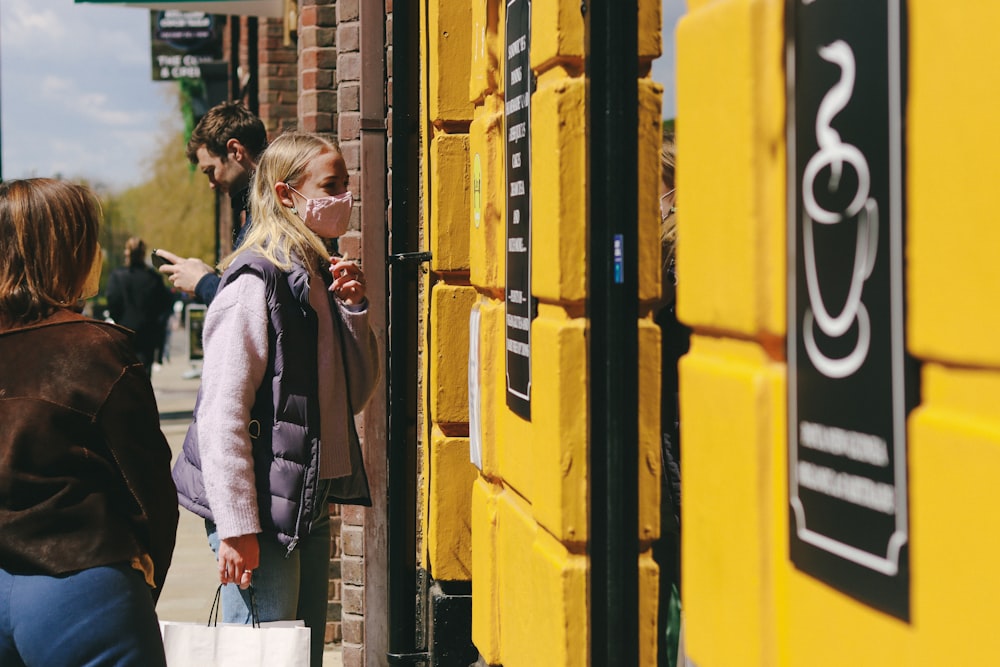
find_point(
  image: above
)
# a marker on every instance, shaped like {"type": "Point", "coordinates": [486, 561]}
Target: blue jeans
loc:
{"type": "Point", "coordinates": [287, 586]}
{"type": "Point", "coordinates": [98, 617]}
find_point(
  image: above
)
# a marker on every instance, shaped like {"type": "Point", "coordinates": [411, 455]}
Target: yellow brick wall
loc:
{"type": "Point", "coordinates": [446, 472]}
{"type": "Point", "coordinates": [519, 527]}
{"type": "Point", "coordinates": [739, 583]}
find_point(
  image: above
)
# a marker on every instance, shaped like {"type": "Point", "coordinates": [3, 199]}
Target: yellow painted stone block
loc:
{"type": "Point", "coordinates": [449, 43]}
{"type": "Point", "coordinates": [952, 268]}
{"type": "Point", "coordinates": [488, 223]}
{"type": "Point", "coordinates": [518, 447]}
{"type": "Point", "coordinates": [448, 531]}
{"type": "Point", "coordinates": [732, 428]}
{"type": "Point", "coordinates": [971, 392]}
{"type": "Point", "coordinates": [649, 583]}
{"type": "Point", "coordinates": [491, 384]}
{"type": "Point", "coordinates": [449, 352]}
{"type": "Point", "coordinates": [557, 452]}
{"type": "Point", "coordinates": [954, 464]}
{"type": "Point", "coordinates": [649, 455]}
{"type": "Point", "coordinates": [731, 167]}
{"type": "Point", "coordinates": [819, 616]}
{"type": "Point", "coordinates": [557, 34]}
{"type": "Point", "coordinates": [650, 141]}
{"type": "Point", "coordinates": [650, 29]}
{"type": "Point", "coordinates": [480, 66]}
{"type": "Point", "coordinates": [484, 77]}
{"type": "Point", "coordinates": [485, 583]}
{"type": "Point", "coordinates": [559, 190]}
{"type": "Point", "coordinates": [543, 592]}
{"type": "Point", "coordinates": [451, 192]}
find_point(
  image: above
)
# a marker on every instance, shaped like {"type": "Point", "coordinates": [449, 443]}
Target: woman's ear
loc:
{"type": "Point", "coordinates": [284, 194]}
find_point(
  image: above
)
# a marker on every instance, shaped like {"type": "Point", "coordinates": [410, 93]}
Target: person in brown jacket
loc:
{"type": "Point", "coordinates": [88, 510]}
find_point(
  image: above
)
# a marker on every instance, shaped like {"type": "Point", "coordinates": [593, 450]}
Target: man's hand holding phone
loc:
{"type": "Point", "coordinates": [183, 273]}
{"type": "Point", "coordinates": [158, 259]}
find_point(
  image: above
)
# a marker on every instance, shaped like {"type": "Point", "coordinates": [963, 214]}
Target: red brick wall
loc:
{"type": "Point", "coordinates": [317, 65]}
{"type": "Point", "coordinates": [277, 77]}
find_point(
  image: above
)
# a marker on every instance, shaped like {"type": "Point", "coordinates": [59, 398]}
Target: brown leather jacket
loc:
{"type": "Point", "coordinates": [84, 468]}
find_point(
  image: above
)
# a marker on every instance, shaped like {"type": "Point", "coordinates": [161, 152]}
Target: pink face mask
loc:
{"type": "Point", "coordinates": [327, 216]}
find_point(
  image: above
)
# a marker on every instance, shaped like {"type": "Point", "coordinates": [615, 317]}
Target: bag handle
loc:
{"type": "Point", "coordinates": [213, 614]}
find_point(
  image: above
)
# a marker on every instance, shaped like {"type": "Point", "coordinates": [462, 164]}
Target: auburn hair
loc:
{"type": "Point", "coordinates": [48, 240]}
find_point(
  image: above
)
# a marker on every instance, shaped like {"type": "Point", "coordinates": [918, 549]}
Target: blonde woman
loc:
{"type": "Point", "coordinates": [289, 359]}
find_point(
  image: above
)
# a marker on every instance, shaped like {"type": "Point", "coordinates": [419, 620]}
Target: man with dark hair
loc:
{"type": "Point", "coordinates": [225, 145]}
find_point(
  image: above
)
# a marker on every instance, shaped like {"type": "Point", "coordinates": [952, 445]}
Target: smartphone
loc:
{"type": "Point", "coordinates": [159, 260]}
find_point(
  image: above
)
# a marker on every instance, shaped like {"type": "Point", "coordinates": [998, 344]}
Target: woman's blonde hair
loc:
{"type": "Point", "coordinates": [275, 231]}
{"type": "Point", "coordinates": [48, 240]}
{"type": "Point", "coordinates": [668, 225]}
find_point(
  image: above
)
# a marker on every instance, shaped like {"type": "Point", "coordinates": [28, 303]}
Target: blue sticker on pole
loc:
{"type": "Point", "coordinates": [619, 259]}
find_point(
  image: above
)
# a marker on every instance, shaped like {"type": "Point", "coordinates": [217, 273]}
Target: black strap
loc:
{"type": "Point", "coordinates": [213, 614]}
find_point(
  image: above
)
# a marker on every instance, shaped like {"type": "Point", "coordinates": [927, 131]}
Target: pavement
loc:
{"type": "Point", "coordinates": [192, 579]}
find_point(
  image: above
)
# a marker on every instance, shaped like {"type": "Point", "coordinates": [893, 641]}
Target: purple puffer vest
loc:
{"type": "Point", "coordinates": [283, 428]}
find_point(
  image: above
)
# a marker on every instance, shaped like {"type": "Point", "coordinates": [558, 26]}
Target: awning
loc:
{"type": "Point", "coordinates": [261, 8]}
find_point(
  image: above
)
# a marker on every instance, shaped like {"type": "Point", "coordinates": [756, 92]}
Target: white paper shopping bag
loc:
{"type": "Point", "coordinates": [214, 644]}
{"type": "Point", "coordinates": [277, 644]}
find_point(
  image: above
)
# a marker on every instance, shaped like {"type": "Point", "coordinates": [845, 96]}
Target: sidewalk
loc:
{"type": "Point", "coordinates": [192, 579]}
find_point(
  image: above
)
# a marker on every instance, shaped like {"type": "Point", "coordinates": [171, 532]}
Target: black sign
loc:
{"type": "Point", "coordinates": [851, 385]}
{"type": "Point", "coordinates": [519, 304]}
{"type": "Point", "coordinates": [182, 42]}
{"type": "Point", "coordinates": [195, 325]}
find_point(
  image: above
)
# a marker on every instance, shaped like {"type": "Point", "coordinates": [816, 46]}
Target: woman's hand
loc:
{"type": "Point", "coordinates": [348, 281]}
{"type": "Point", "coordinates": [238, 558]}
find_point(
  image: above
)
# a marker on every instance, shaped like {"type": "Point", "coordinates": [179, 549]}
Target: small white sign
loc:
{"type": "Point", "coordinates": [475, 414]}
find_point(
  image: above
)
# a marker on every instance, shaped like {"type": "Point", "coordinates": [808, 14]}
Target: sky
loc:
{"type": "Point", "coordinates": [77, 98]}
{"type": "Point", "coordinates": [663, 67]}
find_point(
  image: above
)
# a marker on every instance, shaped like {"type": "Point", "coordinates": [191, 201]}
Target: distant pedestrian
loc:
{"type": "Point", "coordinates": [225, 146]}
{"type": "Point", "coordinates": [88, 511]}
{"type": "Point", "coordinates": [139, 300]}
{"type": "Point", "coordinates": [290, 358]}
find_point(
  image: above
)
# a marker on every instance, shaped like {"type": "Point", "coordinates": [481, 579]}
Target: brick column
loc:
{"type": "Point", "coordinates": [347, 82]}
{"type": "Point", "coordinates": [353, 591]}
{"type": "Point", "coordinates": [317, 65]}
{"type": "Point", "coordinates": [348, 86]}
{"type": "Point", "coordinates": [278, 78]}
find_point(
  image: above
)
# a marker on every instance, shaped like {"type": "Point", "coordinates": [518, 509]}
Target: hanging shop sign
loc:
{"type": "Point", "coordinates": [850, 382]}
{"type": "Point", "coordinates": [519, 304]}
{"type": "Point", "coordinates": [260, 8]}
{"type": "Point", "coordinates": [182, 42]}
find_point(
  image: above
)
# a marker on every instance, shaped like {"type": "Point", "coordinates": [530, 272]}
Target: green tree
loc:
{"type": "Point", "coordinates": [174, 208]}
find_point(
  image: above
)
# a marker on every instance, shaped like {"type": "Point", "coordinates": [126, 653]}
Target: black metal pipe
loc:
{"type": "Point", "coordinates": [613, 69]}
{"type": "Point", "coordinates": [403, 327]}
{"type": "Point", "coordinates": [253, 85]}
{"type": "Point", "coordinates": [234, 58]}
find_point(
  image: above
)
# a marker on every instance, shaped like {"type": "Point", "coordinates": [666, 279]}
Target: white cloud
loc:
{"type": "Point", "coordinates": [77, 93]}
{"type": "Point", "coordinates": [94, 105]}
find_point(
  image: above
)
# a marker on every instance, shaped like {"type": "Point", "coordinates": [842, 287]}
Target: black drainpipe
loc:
{"type": "Point", "coordinates": [404, 272]}
{"type": "Point", "coordinates": [613, 68]}
{"type": "Point", "coordinates": [253, 85]}
{"type": "Point", "coordinates": [234, 58]}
